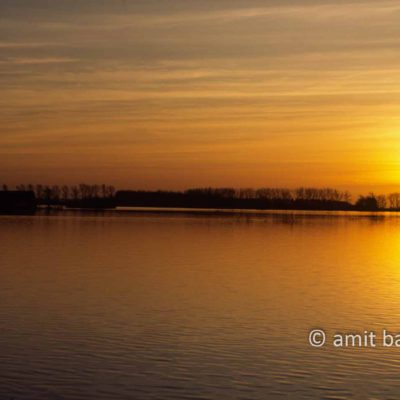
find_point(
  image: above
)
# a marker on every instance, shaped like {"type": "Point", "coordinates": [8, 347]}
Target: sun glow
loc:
{"type": "Point", "coordinates": [170, 102]}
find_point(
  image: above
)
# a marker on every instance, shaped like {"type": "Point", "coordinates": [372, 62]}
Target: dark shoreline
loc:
{"type": "Point", "coordinates": [50, 211]}
{"type": "Point", "coordinates": [264, 200]}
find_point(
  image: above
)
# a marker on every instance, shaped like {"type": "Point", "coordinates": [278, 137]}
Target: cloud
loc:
{"type": "Point", "coordinates": [22, 45]}
{"type": "Point", "coordinates": [30, 61]}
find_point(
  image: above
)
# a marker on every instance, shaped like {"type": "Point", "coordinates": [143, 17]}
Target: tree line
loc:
{"type": "Point", "coordinates": [244, 198]}
{"type": "Point", "coordinates": [306, 198]}
{"type": "Point", "coordinates": [379, 202]}
{"type": "Point", "coordinates": [68, 194]}
{"type": "Point", "coordinates": [263, 198]}
{"type": "Point", "coordinates": [302, 193]}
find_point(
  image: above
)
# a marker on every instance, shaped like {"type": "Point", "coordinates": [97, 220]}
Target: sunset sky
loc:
{"type": "Point", "coordinates": [184, 93]}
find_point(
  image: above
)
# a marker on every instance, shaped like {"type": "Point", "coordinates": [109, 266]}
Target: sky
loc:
{"type": "Point", "coordinates": [173, 94]}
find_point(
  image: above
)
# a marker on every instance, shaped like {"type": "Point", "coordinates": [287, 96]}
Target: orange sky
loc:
{"type": "Point", "coordinates": [175, 94]}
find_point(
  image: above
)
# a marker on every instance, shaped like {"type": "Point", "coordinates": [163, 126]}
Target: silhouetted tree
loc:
{"type": "Point", "coordinates": [47, 195]}
{"type": "Point", "coordinates": [394, 201]}
{"type": "Point", "coordinates": [367, 203]}
{"type": "Point", "coordinates": [65, 193]}
{"type": "Point", "coordinates": [382, 201]}
{"type": "Point", "coordinates": [55, 194]}
{"type": "Point", "coordinates": [39, 192]}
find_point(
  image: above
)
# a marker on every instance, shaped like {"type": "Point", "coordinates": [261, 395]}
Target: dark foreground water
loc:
{"type": "Point", "coordinates": [177, 306]}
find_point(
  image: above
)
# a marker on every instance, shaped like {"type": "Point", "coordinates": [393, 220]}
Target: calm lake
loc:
{"type": "Point", "coordinates": [176, 306]}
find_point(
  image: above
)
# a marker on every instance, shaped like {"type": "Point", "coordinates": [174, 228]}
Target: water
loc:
{"type": "Point", "coordinates": [192, 306]}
